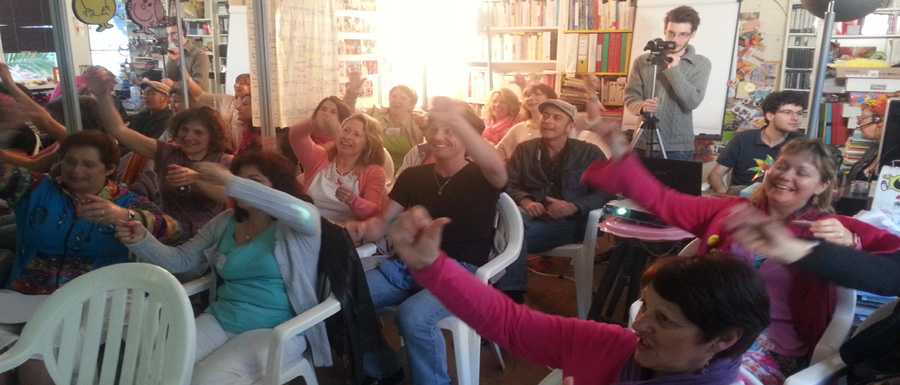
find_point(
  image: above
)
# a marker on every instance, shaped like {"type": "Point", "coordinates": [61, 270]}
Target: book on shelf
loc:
{"type": "Point", "coordinates": [521, 46]}
{"type": "Point", "coordinates": [601, 14]}
{"type": "Point", "coordinates": [802, 21]}
{"type": "Point", "coordinates": [479, 81]}
{"type": "Point", "coordinates": [524, 13]}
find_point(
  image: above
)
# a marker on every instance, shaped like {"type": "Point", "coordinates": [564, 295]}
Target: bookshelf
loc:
{"type": "Point", "coordinates": [207, 28]}
{"type": "Point", "coordinates": [800, 51]}
{"type": "Point", "coordinates": [598, 41]}
{"type": "Point", "coordinates": [517, 38]}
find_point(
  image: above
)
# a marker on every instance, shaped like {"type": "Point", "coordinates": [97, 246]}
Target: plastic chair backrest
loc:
{"type": "Point", "coordinates": [690, 249]}
{"type": "Point", "coordinates": [388, 170]}
{"type": "Point", "coordinates": [138, 305]}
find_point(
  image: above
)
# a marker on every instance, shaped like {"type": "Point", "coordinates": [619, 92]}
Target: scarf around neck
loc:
{"type": "Point", "coordinates": [722, 371]}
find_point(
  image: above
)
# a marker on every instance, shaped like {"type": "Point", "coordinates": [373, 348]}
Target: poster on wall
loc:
{"type": "Point", "coordinates": [356, 22]}
{"type": "Point", "coordinates": [753, 80]}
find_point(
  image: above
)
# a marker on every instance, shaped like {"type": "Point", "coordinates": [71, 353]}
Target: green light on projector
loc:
{"type": "Point", "coordinates": [621, 211]}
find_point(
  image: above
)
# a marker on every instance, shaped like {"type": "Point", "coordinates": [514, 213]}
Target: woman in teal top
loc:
{"type": "Point", "coordinates": [265, 255]}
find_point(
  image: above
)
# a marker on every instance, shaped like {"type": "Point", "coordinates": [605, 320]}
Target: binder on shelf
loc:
{"type": "Point", "coordinates": [594, 51]}
{"type": "Point", "coordinates": [582, 65]}
{"type": "Point", "coordinates": [599, 49]}
{"type": "Point", "coordinates": [608, 47]}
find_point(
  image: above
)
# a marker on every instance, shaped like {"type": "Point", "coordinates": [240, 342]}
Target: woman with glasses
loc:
{"type": "Point", "coordinates": [796, 190]}
{"type": "Point", "coordinates": [871, 127]}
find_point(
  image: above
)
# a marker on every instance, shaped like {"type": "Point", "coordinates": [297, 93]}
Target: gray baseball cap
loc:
{"type": "Point", "coordinates": [562, 105]}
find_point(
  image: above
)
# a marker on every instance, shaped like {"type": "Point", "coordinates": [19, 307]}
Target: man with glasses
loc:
{"type": "Point", "coordinates": [680, 86]}
{"type": "Point", "coordinates": [783, 111]}
{"type": "Point", "coordinates": [196, 61]}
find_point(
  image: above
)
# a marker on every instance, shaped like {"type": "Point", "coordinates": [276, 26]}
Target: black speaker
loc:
{"type": "Point", "coordinates": [844, 10]}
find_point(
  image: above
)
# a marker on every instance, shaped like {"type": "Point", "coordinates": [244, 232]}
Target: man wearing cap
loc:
{"type": "Point", "coordinates": [195, 59]}
{"type": "Point", "coordinates": [544, 180]}
{"type": "Point", "coordinates": [153, 120]}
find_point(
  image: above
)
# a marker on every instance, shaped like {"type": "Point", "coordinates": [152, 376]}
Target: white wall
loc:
{"type": "Point", "coordinates": [81, 46]}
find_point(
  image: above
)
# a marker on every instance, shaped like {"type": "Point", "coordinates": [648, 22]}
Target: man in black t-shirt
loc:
{"type": "Point", "coordinates": [467, 193]}
{"type": "Point", "coordinates": [783, 111]}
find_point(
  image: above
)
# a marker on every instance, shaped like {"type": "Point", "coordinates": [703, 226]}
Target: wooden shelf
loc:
{"type": "Point", "coordinates": [598, 31]}
{"type": "Point", "coordinates": [524, 29]}
{"type": "Point", "coordinates": [841, 37]}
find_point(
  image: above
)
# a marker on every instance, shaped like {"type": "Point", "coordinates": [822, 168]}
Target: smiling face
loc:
{"type": "Point", "coordinates": [792, 181]}
{"type": "Point", "coordinates": [399, 101]}
{"type": "Point", "coordinates": [533, 99]}
{"type": "Point", "coordinates": [555, 123]}
{"type": "Point", "coordinates": [194, 140]}
{"type": "Point", "coordinates": [352, 138]}
{"type": "Point", "coordinates": [82, 170]}
{"type": "Point", "coordinates": [445, 145]}
{"type": "Point", "coordinates": [499, 107]}
{"type": "Point", "coordinates": [680, 33]}
{"type": "Point", "coordinates": [242, 87]}
{"type": "Point", "coordinates": [669, 343]}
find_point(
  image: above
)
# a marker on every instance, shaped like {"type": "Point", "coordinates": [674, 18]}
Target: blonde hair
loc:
{"type": "Point", "coordinates": [373, 153]}
{"type": "Point", "coordinates": [509, 97]}
{"type": "Point", "coordinates": [823, 159]}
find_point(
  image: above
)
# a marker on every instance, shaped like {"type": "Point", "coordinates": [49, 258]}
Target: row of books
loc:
{"type": "Point", "coordinates": [479, 86]}
{"type": "Point", "coordinates": [523, 13]}
{"type": "Point", "coordinates": [800, 58]}
{"type": "Point", "coordinates": [802, 21]}
{"type": "Point", "coordinates": [520, 46]}
{"type": "Point", "coordinates": [612, 90]}
{"type": "Point", "coordinates": [603, 52]}
{"type": "Point", "coordinates": [601, 14]}
{"type": "Point", "coordinates": [832, 128]}
{"type": "Point", "coordinates": [798, 79]}
{"type": "Point", "coordinates": [856, 147]}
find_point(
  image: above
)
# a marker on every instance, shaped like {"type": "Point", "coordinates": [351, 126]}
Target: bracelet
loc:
{"type": "Point", "coordinates": [131, 215]}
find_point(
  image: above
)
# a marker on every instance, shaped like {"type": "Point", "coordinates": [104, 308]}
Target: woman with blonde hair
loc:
{"type": "Point", "coordinates": [346, 177]}
{"type": "Point", "coordinates": [501, 114]}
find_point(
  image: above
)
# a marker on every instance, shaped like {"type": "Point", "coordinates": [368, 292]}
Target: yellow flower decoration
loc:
{"type": "Point", "coordinates": [713, 240]}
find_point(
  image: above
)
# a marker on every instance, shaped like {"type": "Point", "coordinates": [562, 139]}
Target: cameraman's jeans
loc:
{"type": "Point", "coordinates": [417, 316]}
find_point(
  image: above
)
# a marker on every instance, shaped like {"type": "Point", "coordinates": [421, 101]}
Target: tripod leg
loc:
{"type": "Point", "coordinates": [662, 148]}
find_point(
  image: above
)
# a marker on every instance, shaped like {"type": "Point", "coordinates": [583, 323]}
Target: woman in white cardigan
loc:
{"type": "Point", "coordinates": [265, 253]}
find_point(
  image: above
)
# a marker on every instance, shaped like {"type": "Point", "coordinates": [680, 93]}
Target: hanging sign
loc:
{"type": "Point", "coordinates": [147, 14]}
{"type": "Point", "coordinates": [95, 12]}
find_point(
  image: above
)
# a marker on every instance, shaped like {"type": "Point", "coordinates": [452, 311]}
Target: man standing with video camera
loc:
{"type": "Point", "coordinates": [680, 87]}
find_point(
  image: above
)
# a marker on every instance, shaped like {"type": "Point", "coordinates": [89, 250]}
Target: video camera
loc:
{"type": "Point", "coordinates": [659, 51]}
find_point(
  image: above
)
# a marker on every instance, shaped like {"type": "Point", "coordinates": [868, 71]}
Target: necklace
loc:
{"type": "Point", "coordinates": [441, 185]}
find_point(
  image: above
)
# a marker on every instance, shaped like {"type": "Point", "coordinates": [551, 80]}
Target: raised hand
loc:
{"type": "Point", "coordinates": [356, 81]}
{"type": "Point", "coordinates": [101, 211]}
{"type": "Point", "coordinates": [417, 238]}
{"type": "Point", "coordinates": [345, 194]}
{"type": "Point", "coordinates": [99, 80]}
{"type": "Point", "coordinates": [765, 234]}
{"type": "Point", "coordinates": [212, 172]}
{"type": "Point", "coordinates": [833, 231]}
{"type": "Point", "coordinates": [179, 176]}
{"type": "Point", "coordinates": [130, 231]}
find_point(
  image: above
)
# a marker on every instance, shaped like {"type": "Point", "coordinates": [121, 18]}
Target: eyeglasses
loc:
{"type": "Point", "coordinates": [682, 35]}
{"type": "Point", "coordinates": [798, 114]}
{"type": "Point", "coordinates": [861, 117]}
{"type": "Point", "coordinates": [173, 34]}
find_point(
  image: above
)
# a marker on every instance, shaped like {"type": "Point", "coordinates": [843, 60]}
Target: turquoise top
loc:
{"type": "Point", "coordinates": [252, 294]}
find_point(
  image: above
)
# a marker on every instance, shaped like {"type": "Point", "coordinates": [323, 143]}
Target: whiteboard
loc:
{"type": "Point", "coordinates": [715, 39]}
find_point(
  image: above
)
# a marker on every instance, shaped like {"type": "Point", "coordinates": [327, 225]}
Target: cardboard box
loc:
{"type": "Point", "coordinates": [866, 72]}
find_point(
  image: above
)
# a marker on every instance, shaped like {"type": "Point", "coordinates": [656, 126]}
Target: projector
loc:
{"type": "Point", "coordinates": [629, 211]}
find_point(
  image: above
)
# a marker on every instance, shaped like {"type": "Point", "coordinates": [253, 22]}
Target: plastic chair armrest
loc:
{"type": "Point", "coordinates": [590, 230]}
{"type": "Point", "coordinates": [198, 285]}
{"type": "Point", "coordinates": [366, 250]}
{"type": "Point", "coordinates": [307, 319]}
{"type": "Point", "coordinates": [822, 373]}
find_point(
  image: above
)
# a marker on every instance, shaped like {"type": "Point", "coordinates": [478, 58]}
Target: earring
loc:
{"type": "Point", "coordinates": [815, 200]}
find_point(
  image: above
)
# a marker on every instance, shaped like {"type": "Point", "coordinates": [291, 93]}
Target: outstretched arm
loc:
{"type": "Point", "coordinates": [100, 83]}
{"type": "Point", "coordinates": [39, 116]}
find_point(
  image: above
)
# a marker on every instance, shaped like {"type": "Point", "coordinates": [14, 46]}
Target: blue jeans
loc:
{"type": "Point", "coordinates": [540, 235]}
{"type": "Point", "coordinates": [417, 316]}
{"type": "Point", "coordinates": [677, 155]}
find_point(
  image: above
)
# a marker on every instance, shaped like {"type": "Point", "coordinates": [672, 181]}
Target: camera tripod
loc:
{"type": "Point", "coordinates": [658, 56]}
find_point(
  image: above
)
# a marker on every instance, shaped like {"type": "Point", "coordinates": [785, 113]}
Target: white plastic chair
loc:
{"type": "Point", "coordinates": [139, 304]}
{"type": "Point", "coordinates": [582, 255]}
{"type": "Point", "coordinates": [388, 170]}
{"type": "Point", "coordinates": [278, 372]}
{"type": "Point", "coordinates": [830, 368]}
{"type": "Point", "coordinates": [467, 343]}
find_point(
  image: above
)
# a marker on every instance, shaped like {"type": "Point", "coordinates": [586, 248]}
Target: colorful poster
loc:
{"type": "Point", "coordinates": [754, 78]}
